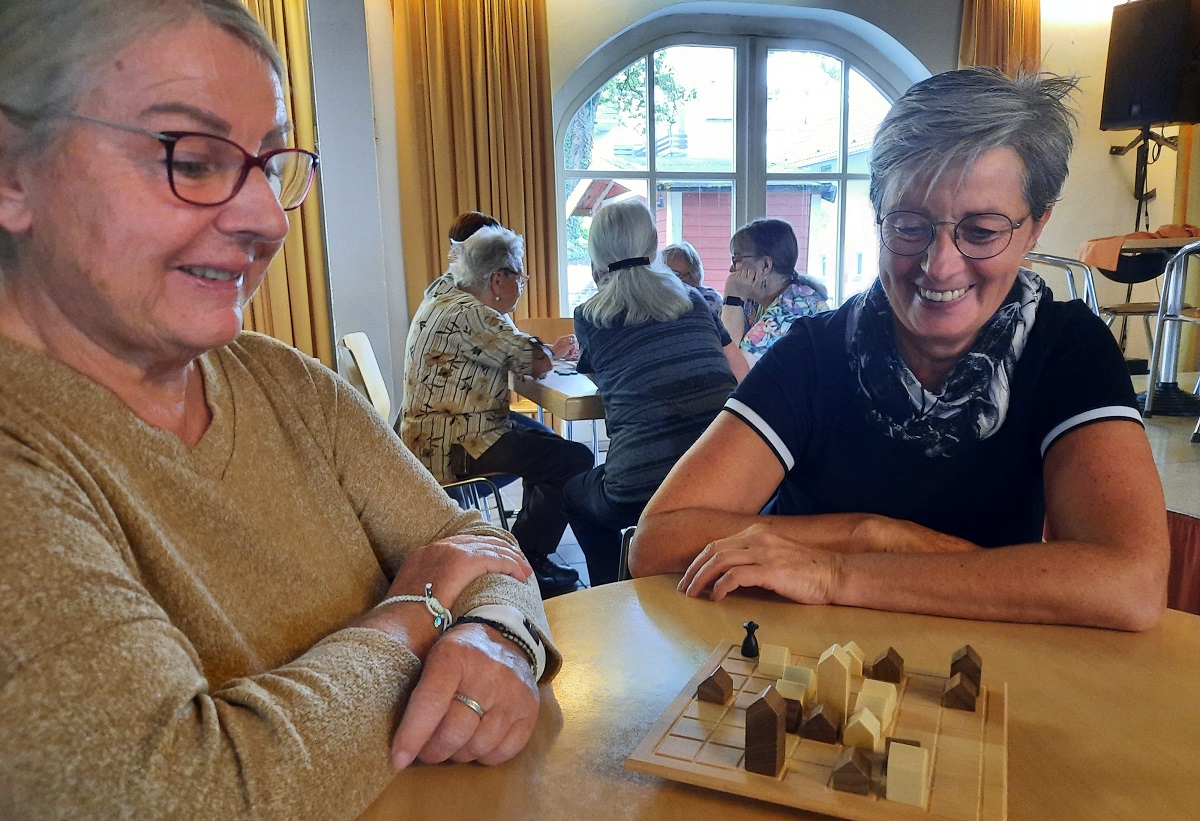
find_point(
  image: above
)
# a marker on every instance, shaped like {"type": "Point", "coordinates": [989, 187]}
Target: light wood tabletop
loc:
{"type": "Point", "coordinates": [570, 396]}
{"type": "Point", "coordinates": [1101, 724]}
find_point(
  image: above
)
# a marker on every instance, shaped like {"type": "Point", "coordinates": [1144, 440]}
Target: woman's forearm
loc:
{"type": "Point", "coordinates": [1052, 583]}
{"type": "Point", "coordinates": [668, 542]}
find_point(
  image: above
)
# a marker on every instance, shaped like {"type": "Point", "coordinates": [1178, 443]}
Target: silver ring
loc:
{"type": "Point", "coordinates": [470, 702]}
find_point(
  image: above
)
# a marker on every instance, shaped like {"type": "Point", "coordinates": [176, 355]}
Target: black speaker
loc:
{"type": "Point", "coordinates": [1153, 73]}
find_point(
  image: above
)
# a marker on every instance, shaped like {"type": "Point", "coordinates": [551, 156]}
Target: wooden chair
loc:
{"type": "Point", "coordinates": [1183, 581]}
{"type": "Point", "coordinates": [361, 369]}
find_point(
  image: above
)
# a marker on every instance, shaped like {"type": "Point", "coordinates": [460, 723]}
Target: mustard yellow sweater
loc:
{"type": "Point", "coordinates": [171, 640]}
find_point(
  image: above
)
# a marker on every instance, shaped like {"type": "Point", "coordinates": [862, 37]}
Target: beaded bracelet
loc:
{"type": "Point", "coordinates": [503, 630]}
{"type": "Point", "coordinates": [441, 616]}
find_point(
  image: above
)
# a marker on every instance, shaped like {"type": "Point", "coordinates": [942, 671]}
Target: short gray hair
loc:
{"type": "Point", "coordinates": [484, 253]}
{"type": "Point", "coordinates": [686, 252]}
{"type": "Point", "coordinates": [951, 119]}
{"type": "Point", "coordinates": [626, 230]}
{"type": "Point", "coordinates": [50, 49]}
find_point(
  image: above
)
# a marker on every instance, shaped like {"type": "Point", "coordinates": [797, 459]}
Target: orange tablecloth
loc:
{"type": "Point", "coordinates": [1105, 251]}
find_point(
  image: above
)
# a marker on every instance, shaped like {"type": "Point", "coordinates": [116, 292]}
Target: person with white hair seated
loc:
{"type": "Point", "coordinates": [657, 353]}
{"type": "Point", "coordinates": [462, 346]}
{"type": "Point", "coordinates": [683, 259]}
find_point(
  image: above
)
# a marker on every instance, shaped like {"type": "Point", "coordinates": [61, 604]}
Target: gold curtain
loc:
{"type": "Point", "coordinates": [293, 303]}
{"type": "Point", "coordinates": [1005, 34]}
{"type": "Point", "coordinates": [473, 123]}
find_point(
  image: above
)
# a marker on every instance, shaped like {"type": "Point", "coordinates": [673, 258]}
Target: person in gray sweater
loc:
{"type": "Point", "coordinates": [226, 588]}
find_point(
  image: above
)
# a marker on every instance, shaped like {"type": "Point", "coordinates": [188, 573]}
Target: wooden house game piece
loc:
{"type": "Point", "coordinates": [765, 719]}
{"type": "Point", "coordinates": [960, 693]}
{"type": "Point", "coordinates": [880, 697]}
{"type": "Point", "coordinates": [772, 658]}
{"type": "Point", "coordinates": [792, 690]}
{"type": "Point", "coordinates": [833, 684]}
{"type": "Point", "coordinates": [852, 772]}
{"type": "Point", "coordinates": [965, 772]}
{"type": "Point", "coordinates": [795, 715]}
{"type": "Point", "coordinates": [856, 658]}
{"type": "Point", "coordinates": [888, 666]}
{"type": "Point", "coordinates": [907, 774]}
{"type": "Point", "coordinates": [805, 676]}
{"type": "Point", "coordinates": [967, 661]}
{"type": "Point", "coordinates": [717, 688]}
{"type": "Point", "coordinates": [818, 727]}
{"type": "Point", "coordinates": [794, 697]}
{"type": "Point", "coordinates": [862, 731]}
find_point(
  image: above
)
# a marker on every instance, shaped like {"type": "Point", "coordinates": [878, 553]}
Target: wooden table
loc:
{"type": "Point", "coordinates": [570, 396]}
{"type": "Point", "coordinates": [1101, 724]}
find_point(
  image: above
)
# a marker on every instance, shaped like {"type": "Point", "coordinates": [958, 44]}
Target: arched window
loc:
{"type": "Point", "coordinates": [712, 131]}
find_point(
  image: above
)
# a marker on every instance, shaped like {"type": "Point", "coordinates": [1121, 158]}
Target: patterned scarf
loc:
{"type": "Point", "coordinates": [973, 403]}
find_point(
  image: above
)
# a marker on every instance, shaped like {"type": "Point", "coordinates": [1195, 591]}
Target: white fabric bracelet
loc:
{"type": "Point", "coordinates": [514, 620]}
{"type": "Point", "coordinates": [441, 616]}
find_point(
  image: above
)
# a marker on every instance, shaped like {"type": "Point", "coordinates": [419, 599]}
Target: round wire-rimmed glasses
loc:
{"type": "Point", "coordinates": [204, 169]}
{"type": "Point", "coordinates": [977, 236]}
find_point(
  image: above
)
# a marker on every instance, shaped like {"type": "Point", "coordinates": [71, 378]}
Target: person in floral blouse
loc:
{"type": "Point", "coordinates": [765, 294]}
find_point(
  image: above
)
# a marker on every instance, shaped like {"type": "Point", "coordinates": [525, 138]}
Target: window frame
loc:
{"type": "Point", "coordinates": [889, 75]}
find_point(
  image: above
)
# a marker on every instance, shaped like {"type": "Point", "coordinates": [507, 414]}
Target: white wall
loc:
{"type": "Point", "coordinates": [1098, 198]}
{"type": "Point", "coordinates": [359, 279]}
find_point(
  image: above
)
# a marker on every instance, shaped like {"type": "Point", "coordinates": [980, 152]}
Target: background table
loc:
{"type": "Point", "coordinates": [571, 397]}
{"type": "Point", "coordinates": [1101, 724]}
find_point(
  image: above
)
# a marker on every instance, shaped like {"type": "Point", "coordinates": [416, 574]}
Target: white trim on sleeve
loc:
{"type": "Point", "coordinates": [760, 426]}
{"type": "Point", "coordinates": [1094, 415]}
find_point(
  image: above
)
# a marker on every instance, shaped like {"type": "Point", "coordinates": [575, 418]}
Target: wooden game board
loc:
{"type": "Point", "coordinates": [703, 744]}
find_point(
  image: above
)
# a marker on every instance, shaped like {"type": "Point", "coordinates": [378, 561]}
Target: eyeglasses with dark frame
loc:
{"type": "Point", "coordinates": [734, 259]}
{"type": "Point", "coordinates": [204, 169]}
{"type": "Point", "coordinates": [976, 236]}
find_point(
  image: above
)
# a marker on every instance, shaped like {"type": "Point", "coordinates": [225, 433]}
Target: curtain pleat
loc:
{"type": "Point", "coordinates": [292, 304]}
{"type": "Point", "coordinates": [1004, 34]}
{"type": "Point", "coordinates": [474, 133]}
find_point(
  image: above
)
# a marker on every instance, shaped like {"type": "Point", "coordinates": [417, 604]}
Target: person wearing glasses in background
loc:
{"type": "Point", "coordinates": [923, 437]}
{"type": "Point", "coordinates": [764, 294]}
{"type": "Point", "coordinates": [462, 345]}
{"type": "Point", "coordinates": [229, 590]}
{"type": "Point", "coordinates": [683, 259]}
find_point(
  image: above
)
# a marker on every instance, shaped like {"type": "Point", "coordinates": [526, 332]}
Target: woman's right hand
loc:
{"type": "Point", "coordinates": [565, 347]}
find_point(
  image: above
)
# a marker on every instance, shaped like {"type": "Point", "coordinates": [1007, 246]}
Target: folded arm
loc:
{"type": "Point", "coordinates": [1104, 565]}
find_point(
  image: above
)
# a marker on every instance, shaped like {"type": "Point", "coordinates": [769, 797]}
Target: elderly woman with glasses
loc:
{"type": "Point", "coordinates": [764, 294]}
{"type": "Point", "coordinates": [952, 441]}
{"type": "Point", "coordinates": [225, 580]}
{"type": "Point", "coordinates": [462, 346]}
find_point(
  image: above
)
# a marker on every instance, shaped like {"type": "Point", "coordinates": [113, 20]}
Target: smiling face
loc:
{"type": "Point", "coordinates": [108, 256]}
{"type": "Point", "coordinates": [940, 298]}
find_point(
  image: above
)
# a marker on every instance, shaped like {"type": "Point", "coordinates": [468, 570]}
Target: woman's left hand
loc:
{"type": "Point", "coordinates": [757, 557]}
{"type": "Point", "coordinates": [475, 661]}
